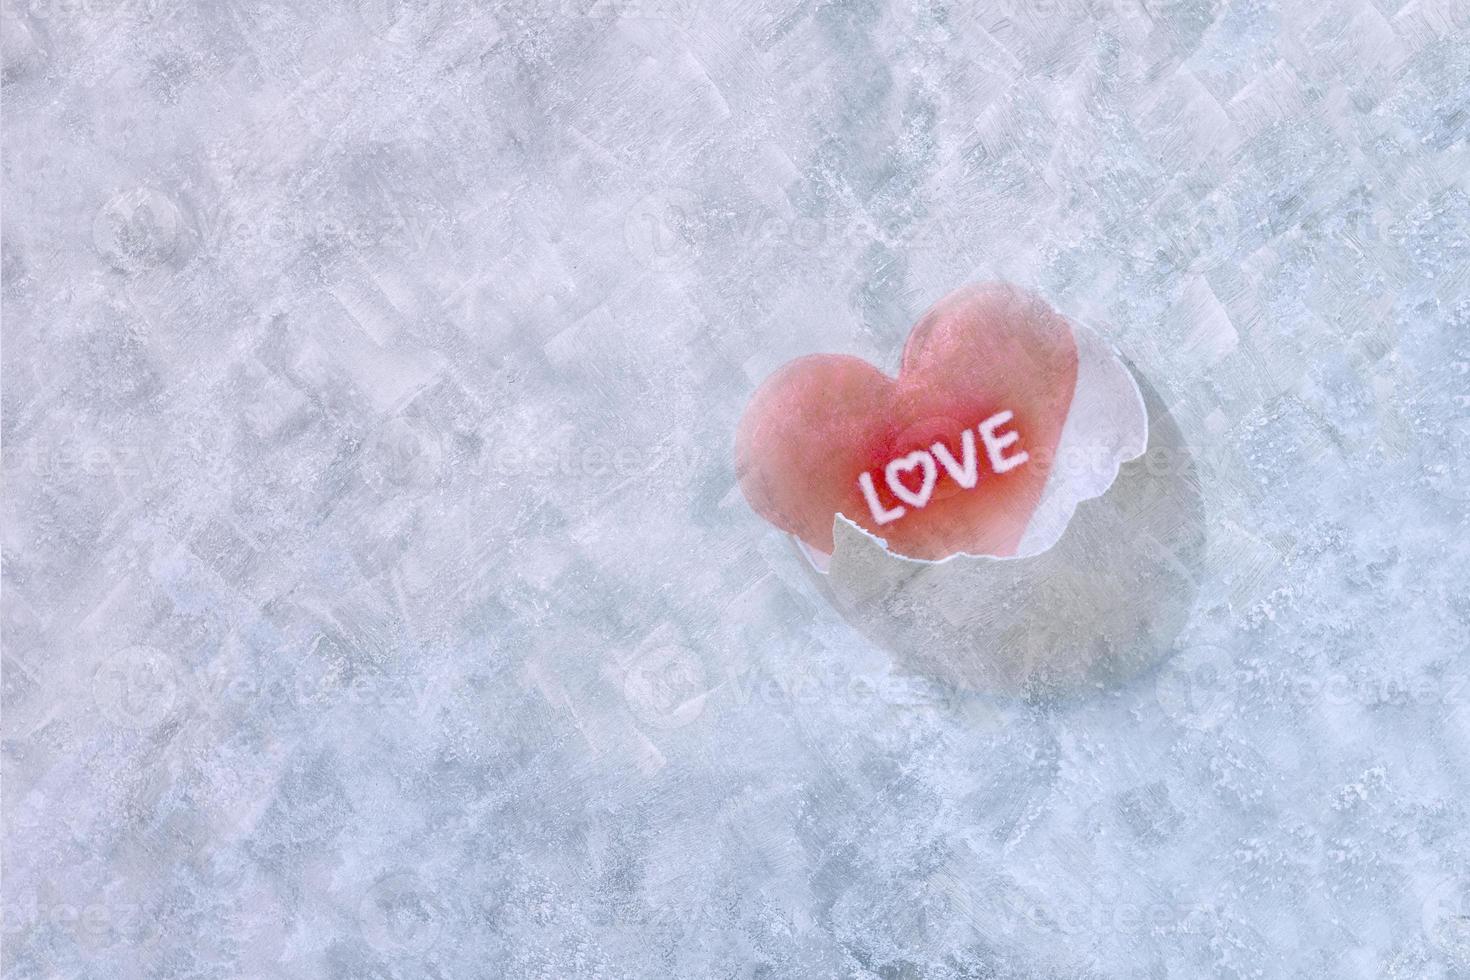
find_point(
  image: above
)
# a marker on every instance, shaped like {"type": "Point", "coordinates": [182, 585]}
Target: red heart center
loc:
{"type": "Point", "coordinates": [911, 466]}
{"type": "Point", "coordinates": [951, 456]}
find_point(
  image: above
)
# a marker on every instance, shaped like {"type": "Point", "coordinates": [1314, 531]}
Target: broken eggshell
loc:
{"type": "Point", "coordinates": [1101, 583]}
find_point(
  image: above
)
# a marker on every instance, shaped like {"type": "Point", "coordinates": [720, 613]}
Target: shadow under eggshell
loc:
{"type": "Point", "coordinates": [1103, 603]}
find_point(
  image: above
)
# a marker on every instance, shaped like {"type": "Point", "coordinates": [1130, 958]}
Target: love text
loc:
{"type": "Point", "coordinates": [924, 465]}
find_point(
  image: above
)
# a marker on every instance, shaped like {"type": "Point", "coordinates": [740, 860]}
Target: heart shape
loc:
{"type": "Point", "coordinates": [894, 472]}
{"type": "Point", "coordinates": [821, 427]}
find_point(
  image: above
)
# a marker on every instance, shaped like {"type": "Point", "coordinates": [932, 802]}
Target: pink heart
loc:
{"type": "Point", "coordinates": [824, 426]}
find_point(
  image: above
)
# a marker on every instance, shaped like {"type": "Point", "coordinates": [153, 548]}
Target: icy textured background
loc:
{"type": "Point", "coordinates": [378, 601]}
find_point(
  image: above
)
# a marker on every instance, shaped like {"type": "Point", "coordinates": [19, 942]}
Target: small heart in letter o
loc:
{"type": "Point", "coordinates": [896, 470]}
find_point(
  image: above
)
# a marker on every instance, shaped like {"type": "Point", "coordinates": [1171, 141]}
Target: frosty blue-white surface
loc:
{"type": "Point", "coordinates": [378, 600]}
